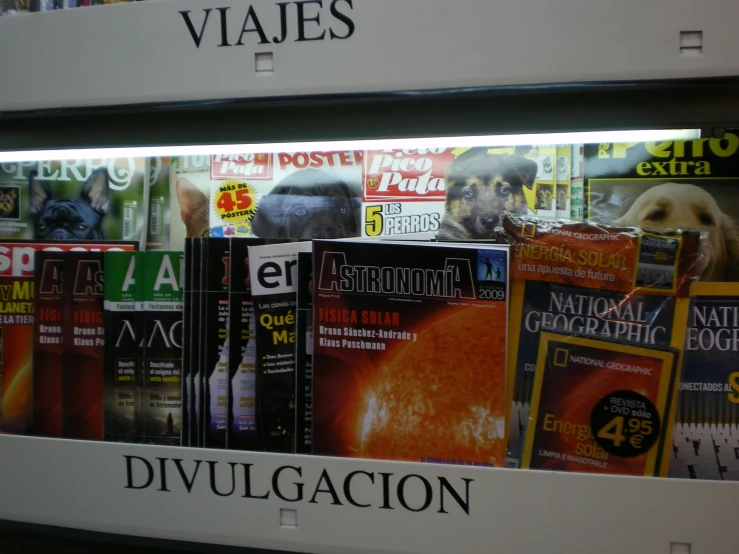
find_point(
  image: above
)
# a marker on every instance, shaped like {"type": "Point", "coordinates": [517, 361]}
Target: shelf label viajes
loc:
{"type": "Point", "coordinates": [304, 17]}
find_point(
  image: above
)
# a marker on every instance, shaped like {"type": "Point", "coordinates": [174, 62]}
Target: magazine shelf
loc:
{"type": "Point", "coordinates": [144, 52]}
{"type": "Point", "coordinates": [163, 53]}
{"type": "Point", "coordinates": [335, 505]}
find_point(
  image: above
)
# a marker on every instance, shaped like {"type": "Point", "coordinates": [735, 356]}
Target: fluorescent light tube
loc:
{"type": "Point", "coordinates": [589, 137]}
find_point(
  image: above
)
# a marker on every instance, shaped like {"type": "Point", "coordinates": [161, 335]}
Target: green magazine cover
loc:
{"type": "Point", "coordinates": [163, 347]}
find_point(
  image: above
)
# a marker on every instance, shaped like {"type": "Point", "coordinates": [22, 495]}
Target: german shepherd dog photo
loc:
{"type": "Point", "coordinates": [70, 218]}
{"type": "Point", "coordinates": [480, 188]}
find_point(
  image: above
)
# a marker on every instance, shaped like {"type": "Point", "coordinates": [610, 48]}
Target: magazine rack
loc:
{"type": "Point", "coordinates": [144, 53]}
{"type": "Point", "coordinates": [317, 504]}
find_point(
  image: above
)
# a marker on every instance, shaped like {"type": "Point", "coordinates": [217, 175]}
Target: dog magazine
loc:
{"type": "Point", "coordinates": [93, 199]}
{"type": "Point", "coordinates": [393, 323]}
{"type": "Point", "coordinates": [286, 195]}
{"type": "Point", "coordinates": [705, 438]}
{"type": "Point", "coordinates": [671, 185]}
{"type": "Point", "coordinates": [604, 282]}
{"type": "Point", "coordinates": [461, 193]}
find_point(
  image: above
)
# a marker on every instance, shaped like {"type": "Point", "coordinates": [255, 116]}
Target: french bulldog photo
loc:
{"type": "Point", "coordinates": [70, 218]}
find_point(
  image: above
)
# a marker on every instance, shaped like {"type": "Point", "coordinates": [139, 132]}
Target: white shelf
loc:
{"type": "Point", "coordinates": [143, 52]}
{"type": "Point", "coordinates": [83, 485]}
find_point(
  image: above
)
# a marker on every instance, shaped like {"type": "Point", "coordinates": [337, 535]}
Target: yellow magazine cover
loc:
{"type": "Point", "coordinates": [581, 278]}
{"type": "Point", "coordinates": [600, 407]}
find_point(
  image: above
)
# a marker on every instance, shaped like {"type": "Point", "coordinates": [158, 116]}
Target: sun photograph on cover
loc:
{"type": "Point", "coordinates": [435, 389]}
{"type": "Point", "coordinates": [435, 398]}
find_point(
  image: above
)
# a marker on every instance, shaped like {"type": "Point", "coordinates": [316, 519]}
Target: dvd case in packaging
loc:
{"type": "Point", "coordinates": [601, 406]}
{"type": "Point", "coordinates": [304, 356]}
{"type": "Point", "coordinates": [48, 374]}
{"type": "Point", "coordinates": [215, 347]}
{"type": "Point", "coordinates": [564, 176]}
{"type": "Point", "coordinates": [577, 194]}
{"type": "Point", "coordinates": [613, 283]}
{"type": "Point", "coordinates": [83, 345]}
{"type": "Point", "coordinates": [274, 279]}
{"type": "Point", "coordinates": [89, 199]}
{"type": "Point", "coordinates": [162, 369]}
{"type": "Point", "coordinates": [157, 232]}
{"type": "Point", "coordinates": [409, 350]}
{"type": "Point", "coordinates": [124, 334]}
{"type": "Point", "coordinates": [705, 441]}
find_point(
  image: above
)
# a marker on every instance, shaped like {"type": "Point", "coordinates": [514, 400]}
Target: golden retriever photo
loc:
{"type": "Point", "coordinates": [686, 206]}
{"type": "Point", "coordinates": [480, 188]}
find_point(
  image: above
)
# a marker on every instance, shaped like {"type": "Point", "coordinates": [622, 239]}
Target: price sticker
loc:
{"type": "Point", "coordinates": [235, 201]}
{"type": "Point", "coordinates": [625, 424]}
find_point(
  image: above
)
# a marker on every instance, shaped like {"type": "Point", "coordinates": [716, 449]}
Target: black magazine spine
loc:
{"type": "Point", "coordinates": [215, 355]}
{"type": "Point", "coordinates": [195, 365]}
{"type": "Point", "coordinates": [304, 356]}
{"type": "Point", "coordinates": [186, 344]}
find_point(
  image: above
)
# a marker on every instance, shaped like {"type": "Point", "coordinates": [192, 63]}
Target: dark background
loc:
{"type": "Point", "coordinates": [706, 104]}
{"type": "Point", "coordinates": [20, 538]}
